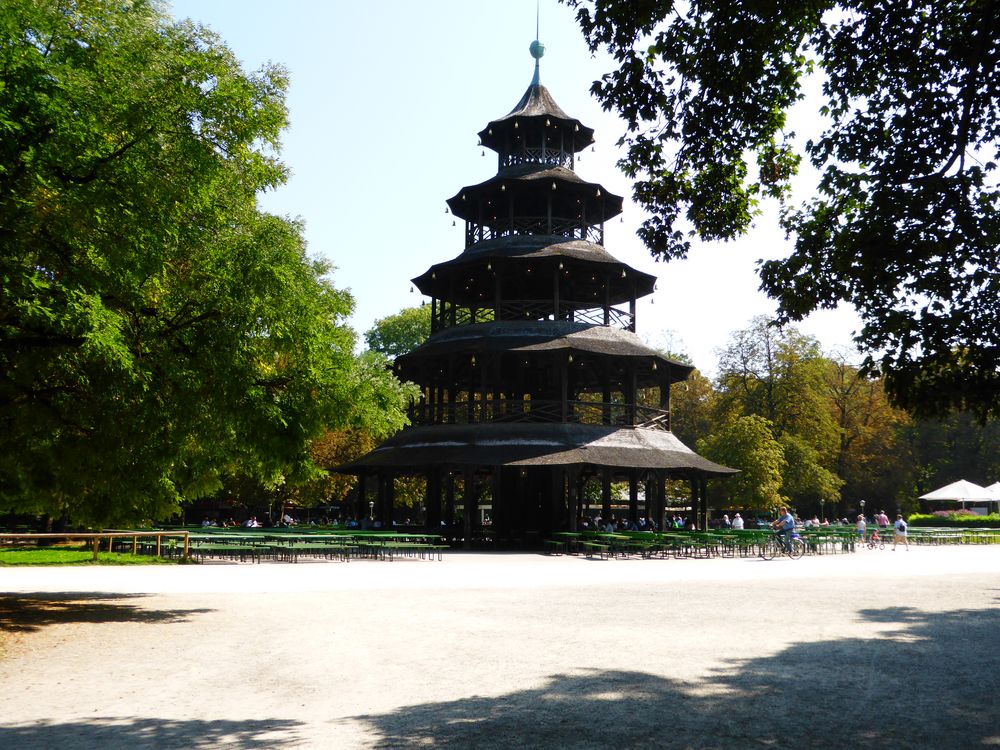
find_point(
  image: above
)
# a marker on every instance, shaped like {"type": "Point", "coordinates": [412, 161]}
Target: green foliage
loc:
{"type": "Point", "coordinates": [970, 521]}
{"type": "Point", "coordinates": [805, 480]}
{"type": "Point", "coordinates": [778, 374]}
{"type": "Point", "coordinates": [25, 556]}
{"type": "Point", "coordinates": [749, 445]}
{"type": "Point", "coordinates": [400, 333]}
{"type": "Point", "coordinates": [905, 220]}
{"type": "Point", "coordinates": [157, 331]}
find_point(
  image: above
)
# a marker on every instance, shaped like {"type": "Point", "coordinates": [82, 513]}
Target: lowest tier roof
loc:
{"type": "Point", "coordinates": [528, 445]}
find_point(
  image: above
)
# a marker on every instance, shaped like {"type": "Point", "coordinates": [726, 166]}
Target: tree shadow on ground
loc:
{"type": "Point", "coordinates": [26, 613]}
{"type": "Point", "coordinates": [930, 681]}
{"type": "Point", "coordinates": [131, 732]}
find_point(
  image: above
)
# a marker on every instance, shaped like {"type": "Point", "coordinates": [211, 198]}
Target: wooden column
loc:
{"type": "Point", "coordinates": [555, 292]}
{"type": "Point", "coordinates": [469, 507]}
{"type": "Point", "coordinates": [432, 502]}
{"type": "Point", "coordinates": [703, 492]}
{"type": "Point", "coordinates": [564, 386]}
{"type": "Point", "coordinates": [633, 491]}
{"type": "Point", "coordinates": [449, 500]}
{"type": "Point", "coordinates": [606, 492]}
{"type": "Point", "coordinates": [661, 498]}
{"type": "Point", "coordinates": [499, 511]}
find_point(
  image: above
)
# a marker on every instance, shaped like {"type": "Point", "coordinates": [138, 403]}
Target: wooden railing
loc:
{"type": "Point", "coordinates": [553, 157]}
{"type": "Point", "coordinates": [521, 309]}
{"type": "Point", "coordinates": [541, 411]}
{"type": "Point", "coordinates": [569, 228]}
{"type": "Point", "coordinates": [95, 538]}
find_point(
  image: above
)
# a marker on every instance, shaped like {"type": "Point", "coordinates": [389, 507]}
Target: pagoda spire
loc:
{"type": "Point", "coordinates": [537, 50]}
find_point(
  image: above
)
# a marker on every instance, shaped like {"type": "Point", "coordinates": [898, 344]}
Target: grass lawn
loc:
{"type": "Point", "coordinates": [73, 556]}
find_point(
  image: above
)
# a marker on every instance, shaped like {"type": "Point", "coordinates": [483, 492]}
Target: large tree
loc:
{"type": "Point", "coordinates": [748, 444]}
{"type": "Point", "coordinates": [904, 223]}
{"type": "Point", "coordinates": [400, 333]}
{"type": "Point", "coordinates": [157, 330]}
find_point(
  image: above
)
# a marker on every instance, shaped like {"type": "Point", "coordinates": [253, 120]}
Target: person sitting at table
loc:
{"type": "Point", "coordinates": [737, 521]}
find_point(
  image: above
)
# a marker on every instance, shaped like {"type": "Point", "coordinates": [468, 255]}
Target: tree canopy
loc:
{"type": "Point", "coordinates": [401, 332]}
{"type": "Point", "coordinates": [904, 223]}
{"type": "Point", "coordinates": [157, 330]}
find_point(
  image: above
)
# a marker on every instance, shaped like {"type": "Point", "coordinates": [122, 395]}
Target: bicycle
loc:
{"type": "Point", "coordinates": [875, 540]}
{"type": "Point", "coordinates": [774, 545]}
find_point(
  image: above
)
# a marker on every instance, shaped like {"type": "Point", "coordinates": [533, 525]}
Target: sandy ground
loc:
{"type": "Point", "coordinates": [875, 649]}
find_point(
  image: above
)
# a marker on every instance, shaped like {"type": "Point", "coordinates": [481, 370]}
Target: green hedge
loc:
{"type": "Point", "coordinates": [954, 521]}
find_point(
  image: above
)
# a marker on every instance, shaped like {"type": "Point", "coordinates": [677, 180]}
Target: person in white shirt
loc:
{"type": "Point", "coordinates": [737, 521]}
{"type": "Point", "coordinates": [899, 532]}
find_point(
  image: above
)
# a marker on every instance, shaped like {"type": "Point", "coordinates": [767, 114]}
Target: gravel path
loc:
{"type": "Point", "coordinates": [875, 649]}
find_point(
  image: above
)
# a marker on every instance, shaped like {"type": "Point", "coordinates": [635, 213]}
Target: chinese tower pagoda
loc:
{"type": "Point", "coordinates": [533, 379]}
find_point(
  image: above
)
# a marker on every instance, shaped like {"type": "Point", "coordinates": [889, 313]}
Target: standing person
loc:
{"type": "Point", "coordinates": [785, 523]}
{"type": "Point", "coordinates": [882, 520]}
{"type": "Point", "coordinates": [737, 521]}
{"type": "Point", "coordinates": [899, 532]}
{"type": "Point", "coordinates": [861, 526]}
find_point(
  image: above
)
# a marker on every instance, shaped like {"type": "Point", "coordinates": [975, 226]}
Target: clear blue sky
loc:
{"type": "Point", "coordinates": [385, 102]}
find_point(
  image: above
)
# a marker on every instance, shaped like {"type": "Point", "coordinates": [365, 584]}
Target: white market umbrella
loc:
{"type": "Point", "coordinates": [995, 489]}
{"type": "Point", "coordinates": [961, 492]}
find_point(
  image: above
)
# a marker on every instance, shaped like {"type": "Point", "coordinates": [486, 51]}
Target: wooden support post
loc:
{"type": "Point", "coordinates": [606, 493]}
{"type": "Point", "coordinates": [97, 546]}
{"type": "Point", "coordinates": [469, 503]}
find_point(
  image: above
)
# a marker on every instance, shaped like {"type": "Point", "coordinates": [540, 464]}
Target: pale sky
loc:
{"type": "Point", "coordinates": [385, 102]}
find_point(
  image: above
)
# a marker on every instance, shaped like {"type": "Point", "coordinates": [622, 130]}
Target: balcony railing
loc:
{"type": "Point", "coordinates": [546, 156]}
{"type": "Point", "coordinates": [540, 411]}
{"type": "Point", "coordinates": [569, 228]}
{"type": "Point", "coordinates": [580, 312]}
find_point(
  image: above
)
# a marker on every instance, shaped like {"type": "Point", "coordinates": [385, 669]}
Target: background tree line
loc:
{"type": "Point", "coordinates": [803, 426]}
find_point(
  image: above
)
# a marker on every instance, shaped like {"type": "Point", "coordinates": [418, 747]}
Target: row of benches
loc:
{"type": "Point", "coordinates": [342, 551]}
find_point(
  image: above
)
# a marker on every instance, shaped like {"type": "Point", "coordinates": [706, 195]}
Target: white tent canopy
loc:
{"type": "Point", "coordinates": [960, 491]}
{"type": "Point", "coordinates": [965, 492]}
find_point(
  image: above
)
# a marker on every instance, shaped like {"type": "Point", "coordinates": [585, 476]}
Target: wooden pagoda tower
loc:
{"type": "Point", "coordinates": [533, 379]}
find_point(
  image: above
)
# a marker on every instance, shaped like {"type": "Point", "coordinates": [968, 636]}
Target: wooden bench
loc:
{"type": "Point", "coordinates": [590, 548]}
{"type": "Point", "coordinates": [555, 546]}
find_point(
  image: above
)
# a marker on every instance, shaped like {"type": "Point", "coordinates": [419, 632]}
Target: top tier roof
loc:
{"type": "Point", "coordinates": [536, 105]}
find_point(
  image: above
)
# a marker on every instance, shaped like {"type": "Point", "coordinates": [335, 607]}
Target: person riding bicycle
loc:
{"type": "Point", "coordinates": [785, 525]}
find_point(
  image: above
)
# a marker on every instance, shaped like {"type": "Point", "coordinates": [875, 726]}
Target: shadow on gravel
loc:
{"type": "Point", "coordinates": [130, 732]}
{"type": "Point", "coordinates": [931, 680]}
{"type": "Point", "coordinates": [25, 613]}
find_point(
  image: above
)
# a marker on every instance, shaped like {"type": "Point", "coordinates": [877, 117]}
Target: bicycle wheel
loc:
{"type": "Point", "coordinates": [798, 549]}
{"type": "Point", "coordinates": [768, 549]}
